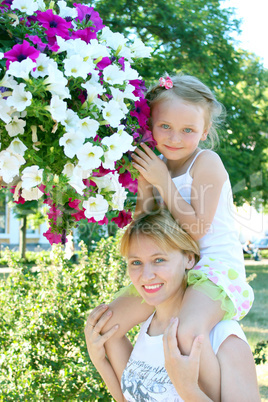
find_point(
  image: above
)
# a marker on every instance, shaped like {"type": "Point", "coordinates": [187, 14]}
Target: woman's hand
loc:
{"type": "Point", "coordinates": [182, 370]}
{"type": "Point", "coordinates": [150, 166]}
{"type": "Point", "coordinates": [97, 319]}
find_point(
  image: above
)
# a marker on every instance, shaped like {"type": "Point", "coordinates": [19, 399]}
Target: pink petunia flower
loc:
{"type": "Point", "coordinates": [20, 52]}
{"type": "Point", "coordinates": [89, 14]}
{"type": "Point", "coordinates": [86, 34]}
{"type": "Point", "coordinates": [105, 62]}
{"type": "Point", "coordinates": [36, 41]}
{"type": "Point", "coordinates": [140, 88]}
{"type": "Point", "coordinates": [54, 24]}
{"type": "Point", "coordinates": [52, 237]}
{"type": "Point", "coordinates": [142, 112]}
{"type": "Point", "coordinates": [123, 219]}
{"type": "Point", "coordinates": [126, 180]}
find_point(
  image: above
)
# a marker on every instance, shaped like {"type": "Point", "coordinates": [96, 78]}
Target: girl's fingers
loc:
{"type": "Point", "coordinates": [147, 149]}
{"type": "Point", "coordinates": [143, 155]}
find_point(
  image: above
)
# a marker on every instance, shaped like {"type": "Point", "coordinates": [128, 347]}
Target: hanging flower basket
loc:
{"type": "Point", "coordinates": [72, 110]}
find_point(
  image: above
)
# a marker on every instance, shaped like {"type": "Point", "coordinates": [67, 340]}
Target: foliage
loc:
{"type": "Point", "coordinates": [195, 37]}
{"type": "Point", "coordinates": [259, 353]}
{"type": "Point", "coordinates": [68, 115]}
{"type": "Point", "coordinates": [42, 319]}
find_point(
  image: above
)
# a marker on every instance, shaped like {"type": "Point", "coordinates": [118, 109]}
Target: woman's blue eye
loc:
{"type": "Point", "coordinates": [159, 260]}
{"type": "Point", "coordinates": [135, 263]}
{"type": "Point", "coordinates": [187, 130]}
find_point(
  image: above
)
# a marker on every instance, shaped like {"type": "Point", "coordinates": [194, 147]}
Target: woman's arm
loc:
{"type": "Point", "coordinates": [97, 353]}
{"type": "Point", "coordinates": [183, 370]}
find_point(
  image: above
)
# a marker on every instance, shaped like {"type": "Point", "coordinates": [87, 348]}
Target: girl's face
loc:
{"type": "Point", "coordinates": [178, 127]}
{"type": "Point", "coordinates": [157, 274]}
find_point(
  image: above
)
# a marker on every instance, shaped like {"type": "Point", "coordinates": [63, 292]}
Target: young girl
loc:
{"type": "Point", "coordinates": [194, 185]}
{"type": "Point", "coordinates": [159, 255]}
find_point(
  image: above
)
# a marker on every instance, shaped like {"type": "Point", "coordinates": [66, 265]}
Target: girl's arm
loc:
{"type": "Point", "coordinates": [208, 177]}
{"type": "Point", "coordinates": [145, 197]}
{"type": "Point", "coordinates": [183, 370]}
{"type": "Point", "coordinates": [96, 350]}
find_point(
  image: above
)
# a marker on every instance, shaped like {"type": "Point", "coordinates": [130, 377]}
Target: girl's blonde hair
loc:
{"type": "Point", "coordinates": [191, 89]}
{"type": "Point", "coordinates": [161, 227]}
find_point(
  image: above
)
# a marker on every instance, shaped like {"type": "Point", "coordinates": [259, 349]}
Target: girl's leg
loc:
{"type": "Point", "coordinates": [198, 315]}
{"type": "Point", "coordinates": [238, 372]}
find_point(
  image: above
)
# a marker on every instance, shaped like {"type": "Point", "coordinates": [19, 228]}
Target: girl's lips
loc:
{"type": "Point", "coordinates": [152, 288]}
{"type": "Point", "coordinates": [172, 148]}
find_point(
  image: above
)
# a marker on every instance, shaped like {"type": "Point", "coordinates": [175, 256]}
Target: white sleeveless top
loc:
{"type": "Point", "coordinates": [145, 377]}
{"type": "Point", "coordinates": [222, 240]}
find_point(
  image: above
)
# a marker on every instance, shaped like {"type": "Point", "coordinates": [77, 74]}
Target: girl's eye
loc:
{"type": "Point", "coordinates": [187, 130]}
{"type": "Point", "coordinates": [158, 260]}
{"type": "Point", "coordinates": [165, 126]}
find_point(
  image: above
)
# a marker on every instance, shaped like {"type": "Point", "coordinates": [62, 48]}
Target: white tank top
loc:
{"type": "Point", "coordinates": [145, 377]}
{"type": "Point", "coordinates": [222, 240]}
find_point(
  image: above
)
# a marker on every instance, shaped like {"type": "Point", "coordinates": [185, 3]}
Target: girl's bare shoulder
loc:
{"type": "Point", "coordinates": [209, 162]}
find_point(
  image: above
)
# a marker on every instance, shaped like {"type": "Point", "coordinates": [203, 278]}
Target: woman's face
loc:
{"type": "Point", "coordinates": [157, 274]}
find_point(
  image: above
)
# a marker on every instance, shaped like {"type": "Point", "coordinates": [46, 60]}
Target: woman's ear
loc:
{"type": "Point", "coordinates": [189, 260]}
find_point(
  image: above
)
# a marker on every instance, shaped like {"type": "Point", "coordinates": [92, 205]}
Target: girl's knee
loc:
{"type": "Point", "coordinates": [187, 332]}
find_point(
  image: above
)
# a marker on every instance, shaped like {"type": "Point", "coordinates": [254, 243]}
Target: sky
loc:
{"type": "Point", "coordinates": [254, 26]}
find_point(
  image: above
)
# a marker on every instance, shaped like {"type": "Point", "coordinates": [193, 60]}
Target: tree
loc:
{"type": "Point", "coordinates": [194, 36]}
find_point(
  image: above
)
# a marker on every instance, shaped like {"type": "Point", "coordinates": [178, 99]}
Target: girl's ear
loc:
{"type": "Point", "coordinates": [189, 260]}
{"type": "Point", "coordinates": [205, 133]}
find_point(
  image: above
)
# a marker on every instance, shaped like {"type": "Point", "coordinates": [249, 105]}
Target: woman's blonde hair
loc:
{"type": "Point", "coordinates": [191, 89]}
{"type": "Point", "coordinates": [161, 227]}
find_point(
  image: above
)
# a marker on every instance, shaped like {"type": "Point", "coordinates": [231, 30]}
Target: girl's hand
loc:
{"type": "Point", "coordinates": [150, 166]}
{"type": "Point", "coordinates": [1, 181]}
{"type": "Point", "coordinates": [182, 370]}
{"type": "Point", "coordinates": [97, 319]}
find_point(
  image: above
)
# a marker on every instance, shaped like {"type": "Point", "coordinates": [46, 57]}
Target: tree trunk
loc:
{"type": "Point", "coordinates": [22, 246]}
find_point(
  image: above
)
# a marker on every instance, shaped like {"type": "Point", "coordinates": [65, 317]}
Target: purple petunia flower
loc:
{"type": "Point", "coordinates": [54, 24]}
{"type": "Point", "coordinates": [20, 52]}
{"type": "Point", "coordinates": [85, 34]}
{"type": "Point", "coordinates": [88, 13]}
{"type": "Point", "coordinates": [36, 41]}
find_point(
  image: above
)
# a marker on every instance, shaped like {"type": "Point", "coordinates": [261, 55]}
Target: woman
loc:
{"type": "Point", "coordinates": [159, 253]}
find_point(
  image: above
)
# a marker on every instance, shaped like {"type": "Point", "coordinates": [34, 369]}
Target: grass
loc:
{"type": "Point", "coordinates": [255, 324]}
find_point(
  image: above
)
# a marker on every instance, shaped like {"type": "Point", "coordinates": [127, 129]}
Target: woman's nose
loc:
{"type": "Point", "coordinates": [148, 272]}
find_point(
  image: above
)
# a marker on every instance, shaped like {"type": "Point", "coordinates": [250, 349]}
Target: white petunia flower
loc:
{"type": "Point", "coordinates": [66, 11]}
{"type": "Point", "coordinates": [42, 66]}
{"type": "Point", "coordinates": [19, 99]}
{"type": "Point", "coordinates": [130, 73]}
{"type": "Point", "coordinates": [115, 40]}
{"type": "Point", "coordinates": [25, 6]}
{"type": "Point", "coordinates": [76, 67]}
{"type": "Point", "coordinates": [114, 152]}
{"type": "Point", "coordinates": [140, 50]}
{"type": "Point", "coordinates": [77, 183]}
{"type": "Point", "coordinates": [56, 83]}
{"type": "Point", "coordinates": [41, 5]}
{"type": "Point", "coordinates": [21, 69]}
{"type": "Point", "coordinates": [17, 147]}
{"type": "Point", "coordinates": [95, 50]}
{"type": "Point", "coordinates": [93, 90]}
{"type": "Point", "coordinates": [113, 113]}
{"type": "Point", "coordinates": [10, 164]}
{"type": "Point", "coordinates": [96, 207]}
{"type": "Point", "coordinates": [57, 108]}
{"type": "Point", "coordinates": [4, 111]}
{"type": "Point", "coordinates": [72, 142]}
{"type": "Point", "coordinates": [88, 127]}
{"type": "Point", "coordinates": [89, 156]}
{"type": "Point", "coordinates": [8, 81]}
{"type": "Point", "coordinates": [68, 169]}
{"type": "Point", "coordinates": [110, 182]}
{"type": "Point", "coordinates": [32, 194]}
{"type": "Point", "coordinates": [119, 97]}
{"type": "Point", "coordinates": [15, 127]}
{"type": "Point", "coordinates": [31, 177]}
{"type": "Point", "coordinates": [71, 120]}
{"type": "Point", "coordinates": [113, 75]}
{"type": "Point", "coordinates": [128, 93]}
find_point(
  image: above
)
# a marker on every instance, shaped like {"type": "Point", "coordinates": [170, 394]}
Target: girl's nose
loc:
{"type": "Point", "coordinates": [148, 272]}
{"type": "Point", "coordinates": [174, 137]}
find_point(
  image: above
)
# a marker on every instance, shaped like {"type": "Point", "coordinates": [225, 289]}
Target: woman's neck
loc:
{"type": "Point", "coordinates": [163, 314]}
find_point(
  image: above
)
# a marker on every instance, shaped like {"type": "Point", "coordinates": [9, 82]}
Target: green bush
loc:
{"type": "Point", "coordinates": [42, 319]}
{"type": "Point", "coordinates": [32, 258]}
